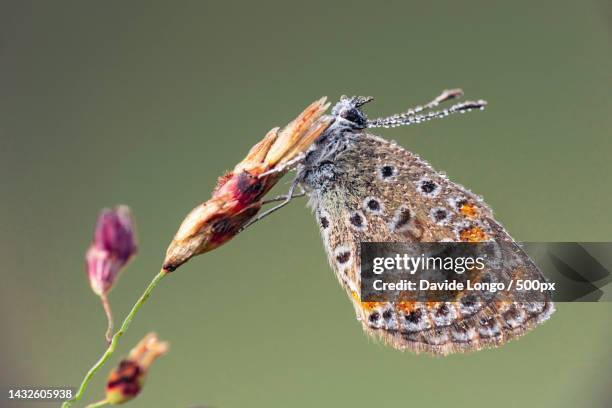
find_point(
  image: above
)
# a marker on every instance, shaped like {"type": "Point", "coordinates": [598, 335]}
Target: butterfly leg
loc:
{"type": "Point", "coordinates": [286, 199]}
{"type": "Point", "coordinates": [283, 197]}
{"type": "Point", "coordinates": [291, 164]}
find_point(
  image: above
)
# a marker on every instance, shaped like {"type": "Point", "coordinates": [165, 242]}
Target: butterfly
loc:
{"type": "Point", "coordinates": [363, 188]}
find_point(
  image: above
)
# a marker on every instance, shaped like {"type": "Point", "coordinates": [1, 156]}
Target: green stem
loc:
{"type": "Point", "coordinates": [97, 404]}
{"type": "Point", "coordinates": [109, 318]}
{"type": "Point", "coordinates": [113, 344]}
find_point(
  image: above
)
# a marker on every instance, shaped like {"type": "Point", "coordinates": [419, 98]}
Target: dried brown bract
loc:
{"type": "Point", "coordinates": [238, 195]}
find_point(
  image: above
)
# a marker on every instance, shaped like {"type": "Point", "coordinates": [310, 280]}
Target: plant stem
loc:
{"type": "Point", "coordinates": [113, 344]}
{"type": "Point", "coordinates": [97, 404]}
{"type": "Point", "coordinates": [109, 318]}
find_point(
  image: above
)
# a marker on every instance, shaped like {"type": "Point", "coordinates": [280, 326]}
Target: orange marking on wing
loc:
{"type": "Point", "coordinates": [432, 305]}
{"type": "Point", "coordinates": [469, 210]}
{"type": "Point", "coordinates": [473, 234]}
{"type": "Point", "coordinates": [367, 306]}
{"type": "Point", "coordinates": [405, 307]}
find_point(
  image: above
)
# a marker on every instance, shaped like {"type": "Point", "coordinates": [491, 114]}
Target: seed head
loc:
{"type": "Point", "coordinates": [126, 381]}
{"type": "Point", "coordinates": [238, 195]}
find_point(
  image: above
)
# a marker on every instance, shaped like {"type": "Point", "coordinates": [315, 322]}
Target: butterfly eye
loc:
{"type": "Point", "coordinates": [355, 116]}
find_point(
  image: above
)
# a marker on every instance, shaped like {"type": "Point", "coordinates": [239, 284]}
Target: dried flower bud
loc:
{"type": "Point", "coordinates": [126, 381]}
{"type": "Point", "coordinates": [113, 245]}
{"type": "Point", "coordinates": [238, 196]}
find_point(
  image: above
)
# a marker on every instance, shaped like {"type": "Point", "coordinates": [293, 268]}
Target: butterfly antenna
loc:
{"type": "Point", "coordinates": [412, 116]}
{"type": "Point", "coordinates": [405, 120]}
{"type": "Point", "coordinates": [446, 95]}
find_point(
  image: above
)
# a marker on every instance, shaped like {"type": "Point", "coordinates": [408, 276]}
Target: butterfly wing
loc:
{"type": "Point", "coordinates": [374, 190]}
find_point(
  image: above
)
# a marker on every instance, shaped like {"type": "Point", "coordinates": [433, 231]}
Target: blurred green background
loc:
{"type": "Point", "coordinates": [146, 103]}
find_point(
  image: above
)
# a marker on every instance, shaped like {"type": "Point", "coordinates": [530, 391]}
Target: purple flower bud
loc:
{"type": "Point", "coordinates": [113, 245]}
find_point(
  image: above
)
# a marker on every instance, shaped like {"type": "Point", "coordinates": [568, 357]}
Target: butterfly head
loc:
{"type": "Point", "coordinates": [347, 111]}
